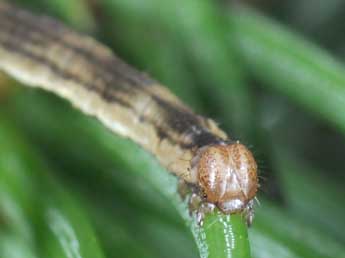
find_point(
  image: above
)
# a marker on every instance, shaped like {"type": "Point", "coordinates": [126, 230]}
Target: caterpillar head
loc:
{"type": "Point", "coordinates": [227, 176]}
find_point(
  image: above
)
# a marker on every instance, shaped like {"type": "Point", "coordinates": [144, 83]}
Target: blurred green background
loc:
{"type": "Point", "coordinates": [271, 73]}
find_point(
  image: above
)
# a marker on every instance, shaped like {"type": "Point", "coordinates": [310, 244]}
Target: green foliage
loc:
{"type": "Point", "coordinates": [70, 188]}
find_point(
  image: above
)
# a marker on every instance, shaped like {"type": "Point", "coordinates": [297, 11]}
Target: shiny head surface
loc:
{"type": "Point", "coordinates": [227, 176]}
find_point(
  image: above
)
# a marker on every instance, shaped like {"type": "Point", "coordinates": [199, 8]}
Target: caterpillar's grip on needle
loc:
{"type": "Point", "coordinates": [41, 52]}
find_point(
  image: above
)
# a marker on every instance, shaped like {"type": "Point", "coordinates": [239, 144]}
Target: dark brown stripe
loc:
{"type": "Point", "coordinates": [107, 95]}
{"type": "Point", "coordinates": [52, 31]}
{"type": "Point", "coordinates": [9, 46]}
{"type": "Point", "coordinates": [25, 38]}
{"type": "Point", "coordinates": [186, 123]}
{"type": "Point", "coordinates": [175, 121]}
{"type": "Point", "coordinates": [16, 36]}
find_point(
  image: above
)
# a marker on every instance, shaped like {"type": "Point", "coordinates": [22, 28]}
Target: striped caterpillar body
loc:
{"type": "Point", "coordinates": [41, 52]}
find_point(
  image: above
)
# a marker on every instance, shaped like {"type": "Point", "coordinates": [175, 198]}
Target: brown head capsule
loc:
{"type": "Point", "coordinates": [227, 176]}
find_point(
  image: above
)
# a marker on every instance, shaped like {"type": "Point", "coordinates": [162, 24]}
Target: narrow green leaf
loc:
{"type": "Point", "coordinates": [61, 227]}
{"type": "Point", "coordinates": [76, 12]}
{"type": "Point", "coordinates": [50, 110]}
{"type": "Point", "coordinates": [199, 30]}
{"type": "Point", "coordinates": [291, 65]}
